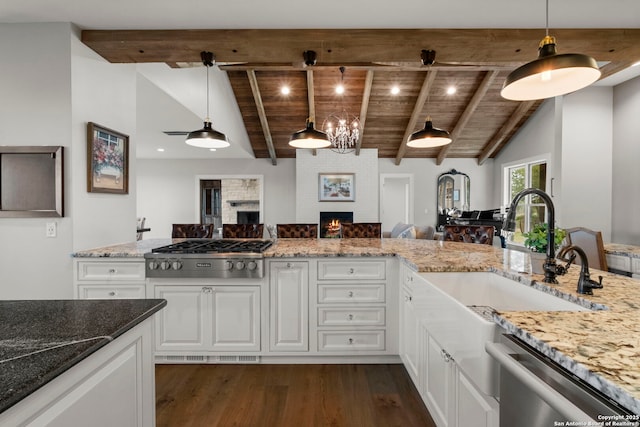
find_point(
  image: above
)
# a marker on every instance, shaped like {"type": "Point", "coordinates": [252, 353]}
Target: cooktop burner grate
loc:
{"type": "Point", "coordinates": [204, 246]}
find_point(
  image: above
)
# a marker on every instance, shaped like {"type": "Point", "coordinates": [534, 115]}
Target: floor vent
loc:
{"type": "Point", "coordinates": [207, 359]}
{"type": "Point", "coordinates": [182, 359]}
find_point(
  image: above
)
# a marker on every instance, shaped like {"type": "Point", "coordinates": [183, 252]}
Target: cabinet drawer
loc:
{"type": "Point", "coordinates": [351, 340]}
{"type": "Point", "coordinates": [111, 270]}
{"type": "Point", "coordinates": [368, 293]}
{"type": "Point", "coordinates": [635, 265]}
{"type": "Point", "coordinates": [618, 262]}
{"type": "Point", "coordinates": [111, 292]}
{"type": "Point", "coordinates": [356, 270]}
{"type": "Point", "coordinates": [347, 316]}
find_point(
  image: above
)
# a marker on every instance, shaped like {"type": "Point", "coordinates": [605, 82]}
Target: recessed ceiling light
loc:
{"type": "Point", "coordinates": [451, 90]}
{"type": "Point", "coordinates": [285, 90]}
{"type": "Point", "coordinates": [395, 90]}
{"type": "Point", "coordinates": [212, 149]}
{"type": "Point", "coordinates": [160, 149]}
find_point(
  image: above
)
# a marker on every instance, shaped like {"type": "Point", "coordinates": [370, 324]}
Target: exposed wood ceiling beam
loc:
{"type": "Point", "coordinates": [517, 115]}
{"type": "Point", "coordinates": [366, 94]}
{"type": "Point", "coordinates": [468, 112]}
{"type": "Point", "coordinates": [255, 89]}
{"type": "Point", "coordinates": [346, 46]}
{"type": "Point", "coordinates": [417, 112]}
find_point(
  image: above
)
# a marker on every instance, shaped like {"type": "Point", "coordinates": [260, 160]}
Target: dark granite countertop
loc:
{"type": "Point", "coordinates": [41, 339]}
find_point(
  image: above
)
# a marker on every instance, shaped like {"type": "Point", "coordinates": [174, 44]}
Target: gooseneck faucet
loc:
{"type": "Point", "coordinates": [585, 283]}
{"type": "Point", "coordinates": [550, 268]}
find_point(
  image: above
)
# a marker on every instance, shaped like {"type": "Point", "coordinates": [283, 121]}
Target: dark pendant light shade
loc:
{"type": "Point", "coordinates": [309, 137]}
{"type": "Point", "coordinates": [429, 137]}
{"type": "Point", "coordinates": [550, 75]}
{"type": "Point", "coordinates": [207, 137]}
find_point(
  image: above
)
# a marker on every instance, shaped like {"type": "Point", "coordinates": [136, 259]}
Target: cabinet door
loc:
{"type": "Point", "coordinates": [409, 338]}
{"type": "Point", "coordinates": [440, 390]}
{"type": "Point", "coordinates": [236, 318]}
{"type": "Point", "coordinates": [181, 324]}
{"type": "Point", "coordinates": [473, 407]}
{"type": "Point", "coordinates": [289, 307]}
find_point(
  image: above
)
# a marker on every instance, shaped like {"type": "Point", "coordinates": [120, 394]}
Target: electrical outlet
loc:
{"type": "Point", "coordinates": [51, 229]}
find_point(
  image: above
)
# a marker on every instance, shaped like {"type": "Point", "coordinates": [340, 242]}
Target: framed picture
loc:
{"type": "Point", "coordinates": [107, 160]}
{"type": "Point", "coordinates": [336, 187]}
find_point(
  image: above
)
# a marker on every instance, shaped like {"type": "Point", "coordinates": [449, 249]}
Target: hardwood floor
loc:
{"type": "Point", "coordinates": [287, 395]}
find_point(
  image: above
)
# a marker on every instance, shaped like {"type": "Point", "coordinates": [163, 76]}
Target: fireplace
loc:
{"type": "Point", "coordinates": [330, 223]}
{"type": "Point", "coordinates": [248, 217]}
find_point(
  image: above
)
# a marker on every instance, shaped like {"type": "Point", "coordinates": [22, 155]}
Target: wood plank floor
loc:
{"type": "Point", "coordinates": [287, 395]}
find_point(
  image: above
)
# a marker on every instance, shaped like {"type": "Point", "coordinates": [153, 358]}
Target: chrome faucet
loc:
{"type": "Point", "coordinates": [551, 270]}
{"type": "Point", "coordinates": [585, 283]}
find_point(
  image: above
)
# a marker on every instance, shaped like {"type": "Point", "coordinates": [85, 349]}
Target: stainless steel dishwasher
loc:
{"type": "Point", "coordinates": [536, 392]}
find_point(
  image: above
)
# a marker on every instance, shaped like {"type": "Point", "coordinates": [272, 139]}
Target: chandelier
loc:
{"type": "Point", "coordinates": [343, 130]}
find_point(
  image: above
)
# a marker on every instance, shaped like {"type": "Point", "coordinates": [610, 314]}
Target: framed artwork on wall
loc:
{"type": "Point", "coordinates": [336, 187]}
{"type": "Point", "coordinates": [107, 160]}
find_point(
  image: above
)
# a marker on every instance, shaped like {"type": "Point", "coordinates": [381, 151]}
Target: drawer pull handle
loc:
{"type": "Point", "coordinates": [288, 265]}
{"type": "Point", "coordinates": [351, 317]}
{"type": "Point", "coordinates": [207, 290]}
{"type": "Point", "coordinates": [113, 293]}
{"type": "Point", "coordinates": [350, 340]}
{"type": "Point", "coordinates": [351, 271]}
{"type": "Point", "coordinates": [350, 294]}
{"type": "Point", "coordinates": [112, 271]}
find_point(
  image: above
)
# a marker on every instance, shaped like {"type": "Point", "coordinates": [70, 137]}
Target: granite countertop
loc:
{"type": "Point", "coordinates": [601, 347]}
{"type": "Point", "coordinates": [41, 339]}
{"type": "Point", "coordinates": [624, 250]}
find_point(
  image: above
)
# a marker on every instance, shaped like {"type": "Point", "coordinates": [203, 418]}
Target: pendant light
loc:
{"type": "Point", "coordinates": [551, 74]}
{"type": "Point", "coordinates": [429, 137]}
{"type": "Point", "coordinates": [309, 137]}
{"type": "Point", "coordinates": [207, 137]}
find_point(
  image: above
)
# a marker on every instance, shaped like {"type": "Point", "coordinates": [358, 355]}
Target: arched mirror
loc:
{"type": "Point", "coordinates": [453, 194]}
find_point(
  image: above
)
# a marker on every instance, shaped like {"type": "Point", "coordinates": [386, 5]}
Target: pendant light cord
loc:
{"type": "Point", "coordinates": [547, 20]}
{"type": "Point", "coordinates": [207, 118]}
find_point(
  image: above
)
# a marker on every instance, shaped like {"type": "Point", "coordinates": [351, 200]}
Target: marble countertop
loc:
{"type": "Point", "coordinates": [40, 339]}
{"type": "Point", "coordinates": [601, 347]}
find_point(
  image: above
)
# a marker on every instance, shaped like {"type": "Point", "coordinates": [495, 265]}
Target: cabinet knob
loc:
{"type": "Point", "coordinates": [350, 294]}
{"type": "Point", "coordinates": [112, 271]}
{"type": "Point", "coordinates": [350, 340]}
{"type": "Point", "coordinates": [113, 293]}
{"type": "Point", "coordinates": [351, 271]}
{"type": "Point", "coordinates": [351, 317]}
{"type": "Point", "coordinates": [288, 265]}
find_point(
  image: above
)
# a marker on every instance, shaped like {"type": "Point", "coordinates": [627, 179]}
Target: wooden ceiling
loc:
{"type": "Point", "coordinates": [475, 61]}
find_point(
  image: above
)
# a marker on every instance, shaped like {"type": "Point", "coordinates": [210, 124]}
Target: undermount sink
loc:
{"type": "Point", "coordinates": [456, 309]}
{"type": "Point", "coordinates": [497, 292]}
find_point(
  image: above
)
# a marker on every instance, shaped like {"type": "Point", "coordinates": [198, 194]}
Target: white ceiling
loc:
{"type": "Point", "coordinates": [175, 99]}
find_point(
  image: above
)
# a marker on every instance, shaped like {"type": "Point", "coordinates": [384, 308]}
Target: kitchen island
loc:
{"type": "Point", "coordinates": [602, 346]}
{"type": "Point", "coordinates": [62, 360]}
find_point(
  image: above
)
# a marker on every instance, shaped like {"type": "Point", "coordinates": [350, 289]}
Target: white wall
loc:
{"type": "Point", "coordinates": [35, 85]}
{"type": "Point", "coordinates": [587, 160]}
{"type": "Point", "coordinates": [365, 168]}
{"type": "Point", "coordinates": [625, 214]}
{"type": "Point", "coordinates": [105, 94]}
{"type": "Point", "coordinates": [166, 189]}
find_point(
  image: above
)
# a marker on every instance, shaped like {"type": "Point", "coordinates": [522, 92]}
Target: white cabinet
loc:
{"type": "Point", "coordinates": [624, 263]}
{"type": "Point", "coordinates": [409, 333]}
{"type": "Point", "coordinates": [115, 386]}
{"type": "Point", "coordinates": [438, 381]}
{"type": "Point", "coordinates": [289, 307]}
{"type": "Point", "coordinates": [353, 310]}
{"type": "Point", "coordinates": [473, 407]}
{"type": "Point", "coordinates": [109, 278]}
{"type": "Point", "coordinates": [209, 319]}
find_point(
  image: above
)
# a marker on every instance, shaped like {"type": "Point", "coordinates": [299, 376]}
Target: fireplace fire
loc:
{"type": "Point", "coordinates": [330, 223]}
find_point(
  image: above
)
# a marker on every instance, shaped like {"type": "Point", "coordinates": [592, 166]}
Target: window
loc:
{"type": "Point", "coordinates": [531, 210]}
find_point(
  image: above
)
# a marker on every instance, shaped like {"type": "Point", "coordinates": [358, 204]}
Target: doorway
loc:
{"type": "Point", "coordinates": [396, 200]}
{"type": "Point", "coordinates": [211, 202]}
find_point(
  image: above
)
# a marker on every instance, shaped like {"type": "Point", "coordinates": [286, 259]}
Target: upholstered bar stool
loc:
{"type": "Point", "coordinates": [242, 231]}
{"type": "Point", "coordinates": [299, 231]}
{"type": "Point", "coordinates": [361, 230]}
{"type": "Point", "coordinates": [481, 234]}
{"type": "Point", "coordinates": [203, 231]}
